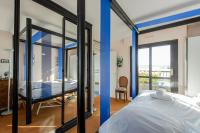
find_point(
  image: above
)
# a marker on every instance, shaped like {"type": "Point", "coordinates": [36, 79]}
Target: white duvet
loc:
{"type": "Point", "coordinates": [55, 88]}
{"type": "Point", "coordinates": [148, 115]}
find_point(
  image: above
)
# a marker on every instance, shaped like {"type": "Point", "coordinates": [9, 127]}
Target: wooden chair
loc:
{"type": "Point", "coordinates": [123, 84]}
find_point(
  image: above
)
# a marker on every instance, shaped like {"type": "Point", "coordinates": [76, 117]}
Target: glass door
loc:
{"type": "Point", "coordinates": [161, 71]}
{"type": "Point", "coordinates": [158, 66]}
{"type": "Point", "coordinates": [143, 63]}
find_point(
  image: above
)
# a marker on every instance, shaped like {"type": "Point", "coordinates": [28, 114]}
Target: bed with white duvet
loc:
{"type": "Point", "coordinates": [146, 114]}
{"type": "Point", "coordinates": [42, 90]}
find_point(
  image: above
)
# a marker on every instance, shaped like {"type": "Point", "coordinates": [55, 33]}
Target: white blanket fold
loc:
{"type": "Point", "coordinates": [164, 97]}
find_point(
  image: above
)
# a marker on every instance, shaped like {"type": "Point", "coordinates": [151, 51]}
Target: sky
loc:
{"type": "Point", "coordinates": [160, 56]}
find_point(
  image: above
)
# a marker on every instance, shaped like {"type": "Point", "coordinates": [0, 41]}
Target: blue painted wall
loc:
{"type": "Point", "coordinates": [105, 61]}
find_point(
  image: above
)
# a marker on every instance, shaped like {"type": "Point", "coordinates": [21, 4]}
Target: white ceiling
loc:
{"type": "Point", "coordinates": [137, 10]}
{"type": "Point", "coordinates": [143, 10]}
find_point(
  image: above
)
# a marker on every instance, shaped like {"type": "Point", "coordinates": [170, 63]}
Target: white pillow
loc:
{"type": "Point", "coordinates": [160, 92]}
{"type": "Point", "coordinates": [198, 103]}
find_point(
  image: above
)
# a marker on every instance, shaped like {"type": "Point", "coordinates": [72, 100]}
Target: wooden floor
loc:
{"type": "Point", "coordinates": [49, 118]}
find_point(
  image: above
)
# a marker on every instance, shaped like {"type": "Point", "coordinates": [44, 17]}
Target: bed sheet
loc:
{"type": "Point", "coordinates": [148, 115]}
{"type": "Point", "coordinates": [47, 89]}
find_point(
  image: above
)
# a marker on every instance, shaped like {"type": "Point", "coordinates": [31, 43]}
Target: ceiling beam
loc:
{"type": "Point", "coordinates": [61, 10]}
{"type": "Point", "coordinates": [171, 18]}
{"type": "Point", "coordinates": [123, 16]}
{"type": "Point", "coordinates": [171, 25]}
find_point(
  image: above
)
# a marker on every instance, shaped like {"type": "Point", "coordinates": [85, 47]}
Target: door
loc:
{"type": "Point", "coordinates": [158, 66]}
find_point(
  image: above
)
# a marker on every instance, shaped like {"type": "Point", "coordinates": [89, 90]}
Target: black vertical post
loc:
{"type": "Point", "coordinates": [131, 71]}
{"type": "Point", "coordinates": [89, 69]}
{"type": "Point", "coordinates": [137, 72]}
{"type": "Point", "coordinates": [150, 68]}
{"type": "Point", "coordinates": [16, 66]}
{"type": "Point", "coordinates": [28, 71]}
{"type": "Point", "coordinates": [66, 59]}
{"type": "Point", "coordinates": [63, 71]}
{"type": "Point", "coordinates": [81, 66]}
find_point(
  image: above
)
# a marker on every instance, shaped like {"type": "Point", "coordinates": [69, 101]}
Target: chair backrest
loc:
{"type": "Point", "coordinates": [123, 81]}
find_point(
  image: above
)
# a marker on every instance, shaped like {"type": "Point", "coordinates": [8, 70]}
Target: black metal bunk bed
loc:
{"type": "Point", "coordinates": [27, 97]}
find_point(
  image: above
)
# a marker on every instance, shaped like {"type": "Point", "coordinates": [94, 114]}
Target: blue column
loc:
{"type": "Point", "coordinates": [60, 63]}
{"type": "Point", "coordinates": [134, 61]}
{"type": "Point", "coordinates": [105, 61]}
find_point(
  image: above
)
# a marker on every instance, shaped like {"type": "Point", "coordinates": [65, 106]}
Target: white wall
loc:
{"type": "Point", "coordinates": [113, 73]}
{"type": "Point", "coordinates": [21, 62]}
{"type": "Point", "coordinates": [54, 64]}
{"type": "Point", "coordinates": [97, 68]}
{"type": "Point", "coordinates": [73, 67]}
{"type": "Point", "coordinates": [179, 33]}
{"type": "Point", "coordinates": [5, 43]}
{"type": "Point", "coordinates": [37, 65]}
{"type": "Point", "coordinates": [193, 66]}
{"type": "Point", "coordinates": [123, 49]}
{"type": "Point", "coordinates": [72, 64]}
{"type": "Point", "coordinates": [96, 74]}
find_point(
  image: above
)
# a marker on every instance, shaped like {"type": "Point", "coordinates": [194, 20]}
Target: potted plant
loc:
{"type": "Point", "coordinates": [119, 61]}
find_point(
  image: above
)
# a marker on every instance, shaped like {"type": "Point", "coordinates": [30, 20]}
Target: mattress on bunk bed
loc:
{"type": "Point", "coordinates": [148, 115]}
{"type": "Point", "coordinates": [47, 89]}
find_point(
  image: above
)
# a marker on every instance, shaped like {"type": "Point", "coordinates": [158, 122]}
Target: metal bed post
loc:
{"type": "Point", "coordinates": [89, 69]}
{"type": "Point", "coordinates": [66, 67]}
{"type": "Point", "coordinates": [16, 66]}
{"type": "Point", "coordinates": [63, 72]}
{"type": "Point", "coordinates": [90, 95]}
{"type": "Point", "coordinates": [137, 80]}
{"type": "Point", "coordinates": [28, 70]}
{"type": "Point", "coordinates": [81, 66]}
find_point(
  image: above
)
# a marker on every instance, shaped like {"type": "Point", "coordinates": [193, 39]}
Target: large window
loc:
{"type": "Point", "coordinates": [157, 66]}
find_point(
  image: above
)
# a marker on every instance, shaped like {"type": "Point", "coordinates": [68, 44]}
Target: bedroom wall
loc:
{"type": "Point", "coordinates": [123, 49]}
{"type": "Point", "coordinates": [179, 33]}
{"type": "Point", "coordinates": [193, 33]}
{"type": "Point", "coordinates": [193, 30]}
{"type": "Point", "coordinates": [193, 66]}
{"type": "Point", "coordinates": [5, 43]}
{"type": "Point", "coordinates": [37, 65]}
{"type": "Point", "coordinates": [72, 64]}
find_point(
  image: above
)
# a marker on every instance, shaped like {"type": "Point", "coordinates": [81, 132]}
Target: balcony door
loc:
{"type": "Point", "coordinates": [158, 66]}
